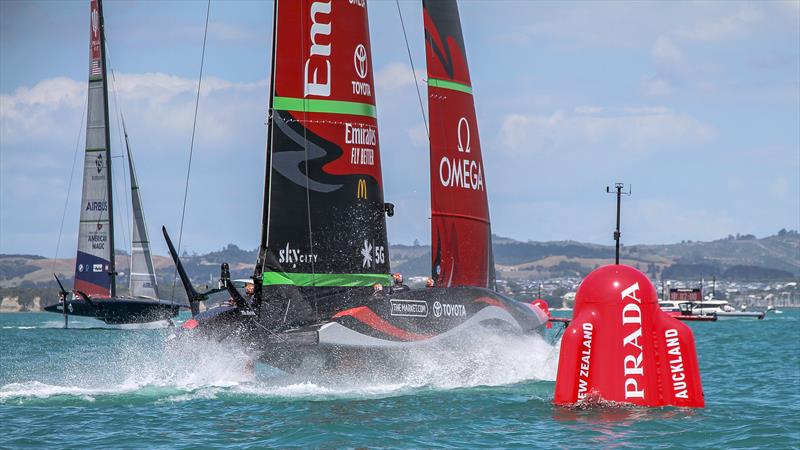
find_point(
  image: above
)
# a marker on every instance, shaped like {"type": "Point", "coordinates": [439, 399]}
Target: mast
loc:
{"type": "Point", "coordinates": [112, 271]}
{"type": "Point", "coordinates": [460, 226]}
{"type": "Point", "coordinates": [262, 246]}
{"type": "Point", "coordinates": [324, 183]}
{"type": "Point", "coordinates": [94, 264]}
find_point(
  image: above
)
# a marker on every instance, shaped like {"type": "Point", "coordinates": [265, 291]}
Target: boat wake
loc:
{"type": "Point", "coordinates": [154, 371]}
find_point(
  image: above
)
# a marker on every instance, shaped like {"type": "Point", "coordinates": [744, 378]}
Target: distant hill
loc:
{"type": "Point", "coordinates": [742, 257]}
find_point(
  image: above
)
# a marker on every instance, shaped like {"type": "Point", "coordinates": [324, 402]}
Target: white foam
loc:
{"type": "Point", "coordinates": [36, 389]}
{"type": "Point", "coordinates": [196, 369]}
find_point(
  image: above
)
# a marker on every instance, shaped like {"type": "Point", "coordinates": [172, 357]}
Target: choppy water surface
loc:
{"type": "Point", "coordinates": [92, 386]}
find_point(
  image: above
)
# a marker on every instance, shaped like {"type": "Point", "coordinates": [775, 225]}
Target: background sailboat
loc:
{"type": "Point", "coordinates": [95, 289]}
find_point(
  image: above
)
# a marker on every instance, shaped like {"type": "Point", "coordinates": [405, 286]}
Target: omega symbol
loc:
{"type": "Point", "coordinates": [461, 147]}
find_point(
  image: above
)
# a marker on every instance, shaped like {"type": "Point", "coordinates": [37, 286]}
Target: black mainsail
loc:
{"type": "Point", "coordinates": [324, 224]}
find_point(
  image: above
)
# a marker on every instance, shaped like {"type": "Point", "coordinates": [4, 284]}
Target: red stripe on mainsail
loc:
{"type": "Point", "coordinates": [369, 318]}
{"type": "Point", "coordinates": [460, 227]}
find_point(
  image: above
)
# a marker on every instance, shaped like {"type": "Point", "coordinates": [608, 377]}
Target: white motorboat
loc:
{"type": "Point", "coordinates": [721, 308]}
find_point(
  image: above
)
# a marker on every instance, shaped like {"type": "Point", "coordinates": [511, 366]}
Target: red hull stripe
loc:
{"type": "Point", "coordinates": [91, 289]}
{"type": "Point", "coordinates": [369, 318]}
{"type": "Point", "coordinates": [490, 301]}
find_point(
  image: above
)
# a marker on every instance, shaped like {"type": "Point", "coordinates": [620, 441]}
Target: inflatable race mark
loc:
{"type": "Point", "coordinates": [621, 347]}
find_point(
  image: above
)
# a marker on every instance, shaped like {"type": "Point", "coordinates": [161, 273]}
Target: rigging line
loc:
{"type": "Point", "coordinates": [116, 194]}
{"type": "Point", "coordinates": [69, 186]}
{"type": "Point", "coordinates": [118, 111]}
{"type": "Point", "coordinates": [191, 149]}
{"type": "Point", "coordinates": [127, 222]}
{"type": "Point", "coordinates": [413, 71]}
{"type": "Point", "coordinates": [123, 154]}
{"type": "Point", "coordinates": [308, 190]}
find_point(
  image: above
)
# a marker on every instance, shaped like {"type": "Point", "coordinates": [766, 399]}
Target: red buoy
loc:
{"type": "Point", "coordinates": [621, 347]}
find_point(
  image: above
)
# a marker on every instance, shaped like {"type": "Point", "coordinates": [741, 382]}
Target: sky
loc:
{"type": "Point", "coordinates": [696, 105]}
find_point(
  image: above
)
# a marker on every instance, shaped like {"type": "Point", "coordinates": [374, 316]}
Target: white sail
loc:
{"type": "Point", "coordinates": [142, 272]}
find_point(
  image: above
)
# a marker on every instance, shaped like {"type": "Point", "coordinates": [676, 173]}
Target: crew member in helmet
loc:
{"type": "Point", "coordinates": [429, 283]}
{"type": "Point", "coordinates": [377, 290]}
{"type": "Point", "coordinates": [249, 290]}
{"type": "Point", "coordinates": [398, 283]}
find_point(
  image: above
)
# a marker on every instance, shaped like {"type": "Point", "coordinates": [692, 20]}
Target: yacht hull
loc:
{"type": "Point", "coordinates": [119, 310]}
{"type": "Point", "coordinates": [379, 326]}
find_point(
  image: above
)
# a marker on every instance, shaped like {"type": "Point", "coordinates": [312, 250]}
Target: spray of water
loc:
{"type": "Point", "coordinates": [185, 370]}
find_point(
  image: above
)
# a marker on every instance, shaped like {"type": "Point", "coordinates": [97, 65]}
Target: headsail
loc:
{"type": "Point", "coordinates": [460, 227]}
{"type": "Point", "coordinates": [324, 222]}
{"type": "Point", "coordinates": [142, 272]}
{"type": "Point", "coordinates": [94, 265]}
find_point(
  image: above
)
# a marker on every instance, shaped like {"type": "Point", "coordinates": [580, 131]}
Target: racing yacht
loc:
{"type": "Point", "coordinates": [322, 283]}
{"type": "Point", "coordinates": [94, 293]}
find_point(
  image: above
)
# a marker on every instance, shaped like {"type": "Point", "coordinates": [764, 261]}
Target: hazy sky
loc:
{"type": "Point", "coordinates": [697, 104]}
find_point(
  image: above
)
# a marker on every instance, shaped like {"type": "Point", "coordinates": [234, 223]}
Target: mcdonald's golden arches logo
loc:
{"type": "Point", "coordinates": [361, 190]}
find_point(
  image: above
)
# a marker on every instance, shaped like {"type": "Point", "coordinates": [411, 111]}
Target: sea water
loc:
{"type": "Point", "coordinates": [97, 386]}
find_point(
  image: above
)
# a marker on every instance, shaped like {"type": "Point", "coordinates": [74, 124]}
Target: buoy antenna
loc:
{"type": "Point", "coordinates": [619, 188]}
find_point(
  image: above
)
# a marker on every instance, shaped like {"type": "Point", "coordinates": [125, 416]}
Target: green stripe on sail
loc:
{"type": "Point", "coordinates": [323, 106]}
{"type": "Point", "coordinates": [452, 85]}
{"type": "Point", "coordinates": [325, 279]}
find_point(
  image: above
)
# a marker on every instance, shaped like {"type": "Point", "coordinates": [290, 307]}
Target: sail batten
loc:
{"type": "Point", "coordinates": [324, 223]}
{"type": "Point", "coordinates": [460, 224]}
{"type": "Point", "coordinates": [94, 264]}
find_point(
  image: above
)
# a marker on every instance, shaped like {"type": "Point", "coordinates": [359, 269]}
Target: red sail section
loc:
{"type": "Point", "coordinates": [324, 77]}
{"type": "Point", "coordinates": [460, 228]}
{"type": "Point", "coordinates": [96, 68]}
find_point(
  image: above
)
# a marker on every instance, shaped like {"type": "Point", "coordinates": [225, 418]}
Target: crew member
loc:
{"type": "Point", "coordinates": [249, 290]}
{"type": "Point", "coordinates": [429, 283]}
{"type": "Point", "coordinates": [398, 283]}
